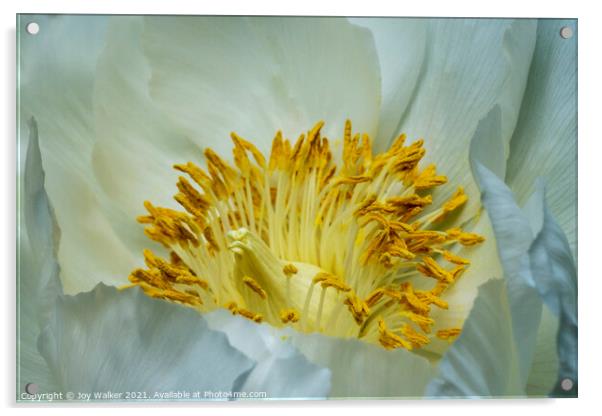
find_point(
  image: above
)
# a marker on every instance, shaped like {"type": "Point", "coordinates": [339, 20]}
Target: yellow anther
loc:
{"type": "Point", "coordinates": [290, 270]}
{"type": "Point", "coordinates": [457, 271]}
{"type": "Point", "coordinates": [232, 307]}
{"type": "Point", "coordinates": [449, 334]}
{"type": "Point", "coordinates": [126, 286]}
{"type": "Point", "coordinates": [255, 317]}
{"type": "Point", "coordinates": [173, 295]}
{"type": "Point", "coordinates": [374, 297]}
{"type": "Point", "coordinates": [428, 179]}
{"type": "Point", "coordinates": [169, 226]}
{"type": "Point", "coordinates": [173, 273]}
{"type": "Point", "coordinates": [192, 281]}
{"type": "Point", "coordinates": [257, 155]}
{"type": "Point", "coordinates": [458, 199]}
{"type": "Point", "coordinates": [390, 340]}
{"type": "Point", "coordinates": [152, 278]}
{"type": "Point", "coordinates": [432, 269]}
{"type": "Point", "coordinates": [198, 201]}
{"type": "Point", "coordinates": [404, 203]}
{"type": "Point", "coordinates": [352, 180]}
{"type": "Point", "coordinates": [315, 131]}
{"type": "Point", "coordinates": [439, 288]}
{"type": "Point", "coordinates": [289, 315]}
{"type": "Point", "coordinates": [358, 308]}
{"type": "Point", "coordinates": [255, 287]}
{"type": "Point", "coordinates": [210, 238]}
{"type": "Point", "coordinates": [452, 258]}
{"type": "Point", "coordinates": [466, 239]}
{"type": "Point", "coordinates": [335, 283]}
{"type": "Point", "coordinates": [322, 276]}
{"type": "Point", "coordinates": [413, 301]}
{"type": "Point", "coordinates": [362, 207]}
{"type": "Point", "coordinates": [393, 294]}
{"type": "Point", "coordinates": [429, 298]}
{"type": "Point", "coordinates": [279, 157]}
{"type": "Point", "coordinates": [197, 174]}
{"type": "Point", "coordinates": [418, 340]}
{"type": "Point", "coordinates": [424, 322]}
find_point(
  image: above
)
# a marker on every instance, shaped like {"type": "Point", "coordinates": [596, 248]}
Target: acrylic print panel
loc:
{"type": "Point", "coordinates": [216, 208]}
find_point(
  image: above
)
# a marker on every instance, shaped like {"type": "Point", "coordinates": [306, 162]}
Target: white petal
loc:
{"type": "Point", "coordinates": [487, 145]}
{"type": "Point", "coordinates": [136, 145]}
{"type": "Point", "coordinates": [362, 370]}
{"type": "Point", "coordinates": [483, 361]}
{"type": "Point", "coordinates": [519, 42]}
{"type": "Point", "coordinates": [545, 141]}
{"type": "Point", "coordinates": [38, 281]}
{"type": "Point", "coordinates": [281, 371]}
{"type": "Point", "coordinates": [544, 371]}
{"type": "Point", "coordinates": [467, 70]}
{"type": "Point", "coordinates": [256, 75]}
{"type": "Point", "coordinates": [57, 68]}
{"type": "Point", "coordinates": [401, 45]}
{"type": "Point", "coordinates": [106, 340]}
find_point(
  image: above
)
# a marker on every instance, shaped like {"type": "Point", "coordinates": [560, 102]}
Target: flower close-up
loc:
{"type": "Point", "coordinates": [296, 208]}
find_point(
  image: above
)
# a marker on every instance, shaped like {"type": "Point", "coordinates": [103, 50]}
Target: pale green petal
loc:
{"type": "Point", "coordinates": [544, 371]}
{"type": "Point", "coordinates": [487, 147]}
{"type": "Point", "coordinates": [545, 141]}
{"type": "Point", "coordinates": [255, 75]}
{"type": "Point", "coordinates": [362, 370]}
{"type": "Point", "coordinates": [281, 371]}
{"type": "Point", "coordinates": [514, 238]}
{"type": "Point", "coordinates": [107, 340]}
{"type": "Point", "coordinates": [484, 265]}
{"type": "Point", "coordinates": [401, 46]}
{"type": "Point", "coordinates": [536, 257]}
{"type": "Point", "coordinates": [556, 277]}
{"type": "Point", "coordinates": [483, 361]}
{"type": "Point", "coordinates": [470, 66]}
{"type": "Point", "coordinates": [255, 341]}
{"type": "Point", "coordinates": [291, 377]}
{"type": "Point", "coordinates": [37, 277]}
{"type": "Point", "coordinates": [356, 369]}
{"type": "Point", "coordinates": [57, 69]}
{"type": "Point", "coordinates": [534, 208]}
{"type": "Point", "coordinates": [487, 144]}
{"type": "Point", "coordinates": [519, 43]}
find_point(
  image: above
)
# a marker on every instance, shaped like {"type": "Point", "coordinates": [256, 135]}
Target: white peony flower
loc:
{"type": "Point", "coordinates": [375, 224]}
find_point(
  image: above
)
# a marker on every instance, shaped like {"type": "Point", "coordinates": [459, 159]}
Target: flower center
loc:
{"type": "Point", "coordinates": [343, 249]}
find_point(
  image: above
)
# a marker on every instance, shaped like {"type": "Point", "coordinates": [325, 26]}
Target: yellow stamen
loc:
{"type": "Point", "coordinates": [449, 334]}
{"type": "Point", "coordinates": [259, 235]}
{"type": "Point", "coordinates": [390, 340]}
{"type": "Point", "coordinates": [289, 270]}
{"type": "Point", "coordinates": [289, 315]}
{"type": "Point", "coordinates": [451, 257]}
{"type": "Point", "coordinates": [255, 287]}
